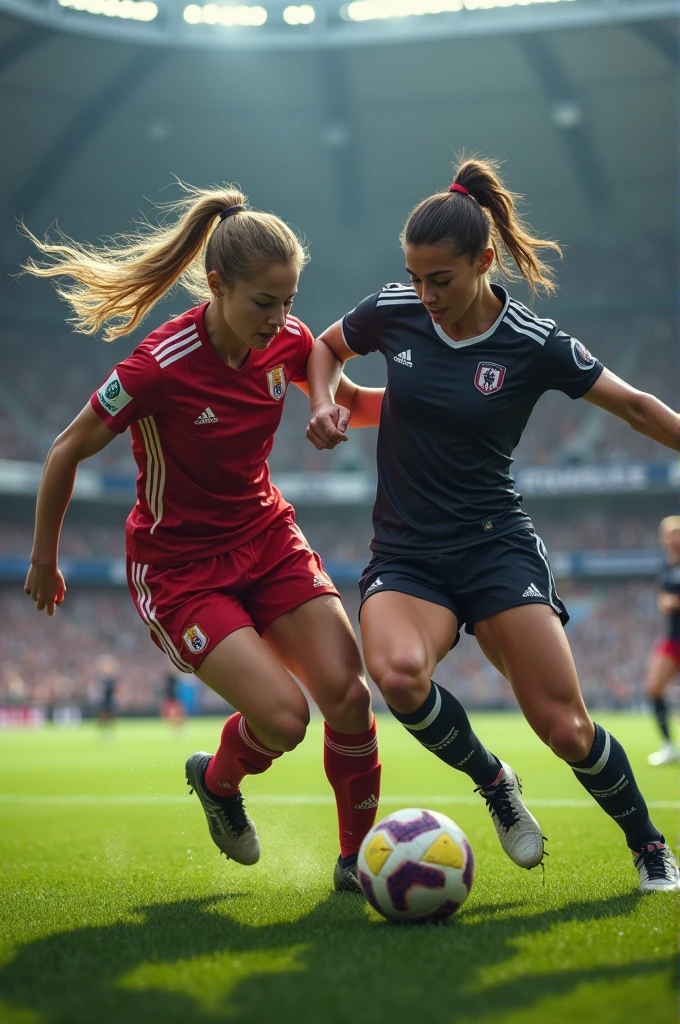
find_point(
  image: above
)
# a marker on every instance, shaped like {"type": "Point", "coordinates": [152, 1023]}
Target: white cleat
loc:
{"type": "Point", "coordinates": [231, 830]}
{"type": "Point", "coordinates": [657, 868]}
{"type": "Point", "coordinates": [667, 755]}
{"type": "Point", "coordinates": [518, 831]}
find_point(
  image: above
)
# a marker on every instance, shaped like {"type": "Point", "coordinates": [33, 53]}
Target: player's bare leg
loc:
{"type": "Point", "coordinates": [404, 639]}
{"type": "Point", "coordinates": [272, 716]}
{"type": "Point", "coordinates": [317, 643]}
{"type": "Point", "coordinates": [660, 672]}
{"type": "Point", "coordinates": [529, 645]}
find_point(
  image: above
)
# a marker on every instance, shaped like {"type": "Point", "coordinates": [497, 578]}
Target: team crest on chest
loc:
{"type": "Point", "coordinates": [276, 382]}
{"type": "Point", "coordinates": [489, 378]}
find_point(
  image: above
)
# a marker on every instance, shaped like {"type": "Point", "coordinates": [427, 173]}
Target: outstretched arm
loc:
{"type": "Point", "coordinates": [644, 413]}
{"type": "Point", "coordinates": [84, 437]}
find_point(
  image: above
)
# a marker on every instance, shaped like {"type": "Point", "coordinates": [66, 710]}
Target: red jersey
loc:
{"type": "Point", "coordinates": [201, 434]}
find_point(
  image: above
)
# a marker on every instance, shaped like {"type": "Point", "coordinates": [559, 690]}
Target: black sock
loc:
{"type": "Point", "coordinates": [442, 726]}
{"type": "Point", "coordinates": [660, 706]}
{"type": "Point", "coordinates": [607, 775]}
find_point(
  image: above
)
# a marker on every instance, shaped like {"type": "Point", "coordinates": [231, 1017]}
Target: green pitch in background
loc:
{"type": "Point", "coordinates": [116, 907]}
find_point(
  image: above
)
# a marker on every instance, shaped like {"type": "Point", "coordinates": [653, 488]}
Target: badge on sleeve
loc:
{"type": "Point", "coordinates": [489, 378]}
{"type": "Point", "coordinates": [276, 382]}
{"type": "Point", "coordinates": [582, 357]}
{"type": "Point", "coordinates": [113, 395]}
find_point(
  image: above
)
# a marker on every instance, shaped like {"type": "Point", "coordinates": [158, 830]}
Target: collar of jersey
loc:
{"type": "Point", "coordinates": [501, 294]}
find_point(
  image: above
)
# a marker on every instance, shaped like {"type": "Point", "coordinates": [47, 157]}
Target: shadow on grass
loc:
{"type": "Point", "coordinates": [332, 965]}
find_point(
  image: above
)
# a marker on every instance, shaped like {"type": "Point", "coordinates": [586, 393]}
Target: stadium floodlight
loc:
{"type": "Point", "coordinates": [373, 10]}
{"type": "Point", "coordinates": [302, 15]}
{"type": "Point", "coordinates": [286, 24]}
{"type": "Point", "coordinates": [135, 10]}
{"type": "Point", "coordinates": [227, 15]}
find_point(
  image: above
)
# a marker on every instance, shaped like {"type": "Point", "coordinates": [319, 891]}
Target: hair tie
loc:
{"type": "Point", "coordinates": [458, 188]}
{"type": "Point", "coordinates": [231, 209]}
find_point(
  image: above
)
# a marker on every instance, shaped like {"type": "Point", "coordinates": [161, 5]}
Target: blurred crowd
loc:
{"type": "Point", "coordinates": [52, 386]}
{"type": "Point", "coordinates": [57, 660]}
{"type": "Point", "coordinates": [338, 540]}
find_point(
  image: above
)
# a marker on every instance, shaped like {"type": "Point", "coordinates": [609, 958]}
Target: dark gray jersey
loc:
{"type": "Point", "coordinates": [453, 414]}
{"type": "Point", "coordinates": [669, 582]}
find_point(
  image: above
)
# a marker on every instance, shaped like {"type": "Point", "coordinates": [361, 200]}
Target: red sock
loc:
{"type": "Point", "coordinates": [353, 770]}
{"type": "Point", "coordinates": [239, 753]}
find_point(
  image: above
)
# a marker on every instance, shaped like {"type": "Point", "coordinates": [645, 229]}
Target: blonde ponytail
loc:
{"type": "Point", "coordinates": [114, 285]}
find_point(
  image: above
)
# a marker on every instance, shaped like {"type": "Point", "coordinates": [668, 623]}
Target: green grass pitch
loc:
{"type": "Point", "coordinates": [116, 907]}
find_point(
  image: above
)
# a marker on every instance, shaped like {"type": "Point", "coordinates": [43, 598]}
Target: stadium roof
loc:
{"type": "Point", "coordinates": [341, 141]}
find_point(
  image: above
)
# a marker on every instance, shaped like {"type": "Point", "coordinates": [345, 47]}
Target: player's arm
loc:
{"type": "Point", "coordinates": [668, 602]}
{"type": "Point", "coordinates": [643, 412]}
{"type": "Point", "coordinates": [84, 437]}
{"type": "Point", "coordinates": [363, 404]}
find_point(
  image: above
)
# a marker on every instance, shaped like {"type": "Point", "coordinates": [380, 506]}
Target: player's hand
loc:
{"type": "Point", "coordinates": [45, 585]}
{"type": "Point", "coordinates": [328, 426]}
{"type": "Point", "coordinates": [668, 603]}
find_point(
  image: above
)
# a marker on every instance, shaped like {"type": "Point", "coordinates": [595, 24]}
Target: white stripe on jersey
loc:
{"type": "Point", "coordinates": [293, 328]}
{"type": "Point", "coordinates": [148, 614]}
{"type": "Point", "coordinates": [541, 339]}
{"type": "Point", "coordinates": [530, 315]}
{"type": "Point", "coordinates": [155, 469]}
{"type": "Point", "coordinates": [182, 343]}
{"type": "Point", "coordinates": [527, 321]}
{"type": "Point", "coordinates": [180, 355]}
{"type": "Point", "coordinates": [180, 334]}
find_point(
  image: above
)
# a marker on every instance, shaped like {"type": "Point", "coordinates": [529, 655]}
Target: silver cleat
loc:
{"type": "Point", "coordinates": [231, 830]}
{"type": "Point", "coordinates": [518, 831]}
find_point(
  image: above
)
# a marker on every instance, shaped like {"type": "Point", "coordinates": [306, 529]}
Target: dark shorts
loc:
{"type": "Point", "coordinates": [475, 583]}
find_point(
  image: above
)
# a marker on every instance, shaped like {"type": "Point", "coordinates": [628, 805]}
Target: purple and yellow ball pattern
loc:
{"type": "Point", "coordinates": [416, 865]}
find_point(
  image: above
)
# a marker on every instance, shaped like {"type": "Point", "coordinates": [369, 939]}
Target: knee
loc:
{"type": "Point", "coordinates": [403, 679]}
{"type": "Point", "coordinates": [570, 735]}
{"type": "Point", "coordinates": [287, 729]}
{"type": "Point", "coordinates": [350, 707]}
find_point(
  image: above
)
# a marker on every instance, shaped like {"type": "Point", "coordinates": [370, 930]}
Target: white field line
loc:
{"type": "Point", "coordinates": [294, 799]}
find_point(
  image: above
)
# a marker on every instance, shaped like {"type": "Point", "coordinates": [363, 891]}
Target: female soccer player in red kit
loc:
{"type": "Point", "coordinates": [217, 567]}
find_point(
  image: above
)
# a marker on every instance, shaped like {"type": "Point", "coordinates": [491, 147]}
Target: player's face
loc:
{"type": "Point", "coordinates": [670, 542]}
{"type": "Point", "coordinates": [255, 309]}
{"type": "Point", "coordinates": [446, 284]}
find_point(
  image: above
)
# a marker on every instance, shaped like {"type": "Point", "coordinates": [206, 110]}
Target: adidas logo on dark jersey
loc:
{"type": "Point", "coordinates": [404, 358]}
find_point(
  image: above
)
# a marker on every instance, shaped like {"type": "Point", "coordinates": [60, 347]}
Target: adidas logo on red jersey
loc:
{"type": "Point", "coordinates": [207, 416]}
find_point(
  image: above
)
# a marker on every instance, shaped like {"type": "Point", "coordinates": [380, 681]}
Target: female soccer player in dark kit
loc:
{"type": "Point", "coordinates": [217, 568]}
{"type": "Point", "coordinates": [664, 662]}
{"type": "Point", "coordinates": [466, 364]}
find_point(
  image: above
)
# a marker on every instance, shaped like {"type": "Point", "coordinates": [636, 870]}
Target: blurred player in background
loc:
{"type": "Point", "coordinates": [664, 662]}
{"type": "Point", "coordinates": [217, 567]}
{"type": "Point", "coordinates": [172, 707]}
{"type": "Point", "coordinates": [466, 364]}
{"type": "Point", "coordinates": [107, 672]}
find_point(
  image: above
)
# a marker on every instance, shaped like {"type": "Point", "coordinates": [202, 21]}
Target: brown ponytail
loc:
{"type": "Point", "coordinates": [486, 215]}
{"type": "Point", "coordinates": [115, 285]}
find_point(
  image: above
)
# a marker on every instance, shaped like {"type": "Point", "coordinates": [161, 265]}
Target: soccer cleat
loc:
{"type": "Point", "coordinates": [668, 753]}
{"type": "Point", "coordinates": [518, 831]}
{"type": "Point", "coordinates": [231, 830]}
{"type": "Point", "coordinates": [657, 868]}
{"type": "Point", "coordinates": [346, 879]}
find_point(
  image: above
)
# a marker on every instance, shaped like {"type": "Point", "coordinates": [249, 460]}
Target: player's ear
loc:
{"type": "Point", "coordinates": [215, 284]}
{"type": "Point", "coordinates": [485, 260]}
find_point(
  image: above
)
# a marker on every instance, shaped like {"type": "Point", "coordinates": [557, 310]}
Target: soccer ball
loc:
{"type": "Point", "coordinates": [416, 865]}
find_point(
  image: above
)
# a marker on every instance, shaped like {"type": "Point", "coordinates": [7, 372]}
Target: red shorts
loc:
{"type": "Point", "coordinates": [669, 649]}
{"type": "Point", "coordinates": [189, 609]}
